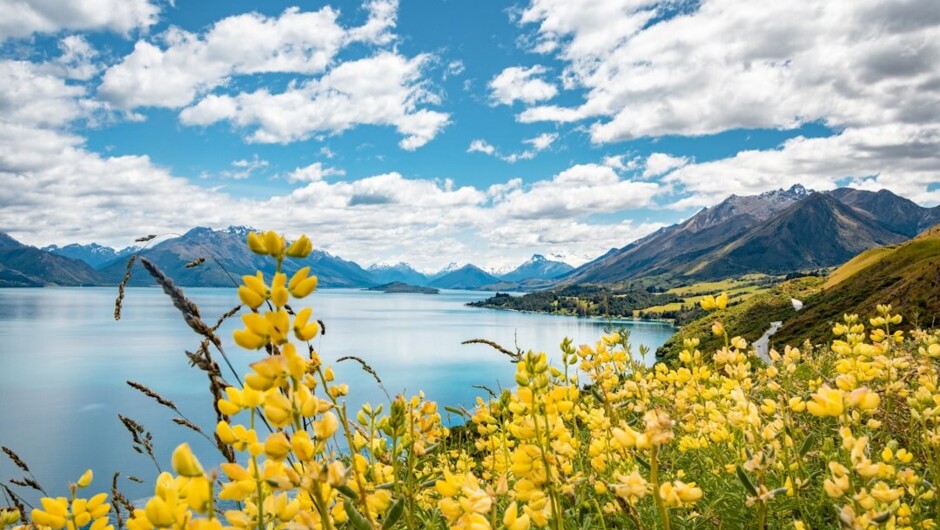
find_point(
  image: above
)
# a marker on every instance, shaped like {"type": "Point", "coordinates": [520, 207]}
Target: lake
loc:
{"type": "Point", "coordinates": [64, 361]}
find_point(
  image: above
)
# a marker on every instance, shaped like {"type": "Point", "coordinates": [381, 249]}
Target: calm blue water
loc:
{"type": "Point", "coordinates": [64, 362]}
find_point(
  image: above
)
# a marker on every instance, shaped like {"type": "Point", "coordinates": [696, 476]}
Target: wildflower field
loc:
{"type": "Point", "coordinates": [838, 435]}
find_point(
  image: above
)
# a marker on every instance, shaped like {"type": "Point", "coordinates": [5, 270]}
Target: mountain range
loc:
{"type": "Point", "coordinates": [776, 232]}
{"type": "Point", "coordinates": [226, 259]}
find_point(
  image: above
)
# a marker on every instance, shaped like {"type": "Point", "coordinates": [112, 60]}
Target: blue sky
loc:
{"type": "Point", "coordinates": [435, 131]}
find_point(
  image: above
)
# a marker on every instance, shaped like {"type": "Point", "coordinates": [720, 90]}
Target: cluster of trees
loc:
{"type": "Point", "coordinates": [581, 301]}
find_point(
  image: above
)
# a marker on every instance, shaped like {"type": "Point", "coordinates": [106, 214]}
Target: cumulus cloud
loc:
{"type": "Point", "coordinates": [21, 19]}
{"type": "Point", "coordinates": [720, 65]}
{"type": "Point", "coordinates": [382, 90]}
{"type": "Point", "coordinates": [481, 146]}
{"type": "Point", "coordinates": [313, 173]}
{"type": "Point", "coordinates": [898, 158]}
{"type": "Point", "coordinates": [188, 64]}
{"type": "Point", "coordinates": [34, 97]}
{"type": "Point", "coordinates": [542, 141]}
{"type": "Point", "coordinates": [582, 189]}
{"type": "Point", "coordinates": [536, 144]}
{"type": "Point", "coordinates": [518, 83]}
{"type": "Point", "coordinates": [661, 163]}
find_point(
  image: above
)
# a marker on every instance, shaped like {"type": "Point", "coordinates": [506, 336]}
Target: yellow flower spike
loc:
{"type": "Point", "coordinates": [9, 517]}
{"type": "Point", "coordinates": [278, 410]}
{"type": "Point", "coordinates": [97, 506]}
{"type": "Point", "coordinates": [513, 520]}
{"type": "Point", "coordinates": [248, 340]}
{"type": "Point", "coordinates": [826, 402]}
{"type": "Point", "coordinates": [198, 494]}
{"type": "Point", "coordinates": [185, 463]}
{"type": "Point", "coordinates": [279, 293]}
{"type": "Point", "coordinates": [274, 244]}
{"type": "Point", "coordinates": [85, 479]}
{"type": "Point", "coordinates": [708, 303]}
{"type": "Point", "coordinates": [304, 330]}
{"type": "Point", "coordinates": [336, 474]}
{"type": "Point", "coordinates": [301, 284]}
{"type": "Point", "coordinates": [302, 445]}
{"type": "Point", "coordinates": [249, 297]}
{"type": "Point", "coordinates": [864, 399]}
{"type": "Point", "coordinates": [159, 513]}
{"type": "Point", "coordinates": [718, 329]}
{"type": "Point", "coordinates": [225, 433]}
{"type": "Point", "coordinates": [625, 437]}
{"type": "Point", "coordinates": [256, 243]}
{"type": "Point", "coordinates": [326, 426]}
{"type": "Point", "coordinates": [279, 324]}
{"type": "Point", "coordinates": [54, 512]}
{"type": "Point", "coordinates": [277, 447]}
{"type": "Point", "coordinates": [300, 248]}
{"type": "Point", "coordinates": [257, 324]}
{"type": "Point", "coordinates": [721, 301]}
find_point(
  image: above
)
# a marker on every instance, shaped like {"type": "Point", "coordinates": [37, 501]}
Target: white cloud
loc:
{"type": "Point", "coordinates": [854, 65]}
{"type": "Point", "coordinates": [660, 163]}
{"type": "Point", "coordinates": [518, 83]}
{"type": "Point", "coordinates": [542, 141]}
{"type": "Point", "coordinates": [899, 158]}
{"type": "Point", "coordinates": [245, 168]}
{"type": "Point", "coordinates": [32, 96]}
{"type": "Point", "coordinates": [582, 189]}
{"type": "Point", "coordinates": [538, 143]}
{"type": "Point", "coordinates": [21, 19]}
{"type": "Point", "coordinates": [188, 64]}
{"type": "Point", "coordinates": [382, 90]}
{"type": "Point", "coordinates": [481, 146]}
{"type": "Point", "coordinates": [314, 172]}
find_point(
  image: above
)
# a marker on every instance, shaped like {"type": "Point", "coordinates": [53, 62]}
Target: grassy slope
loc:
{"type": "Point", "coordinates": [749, 318]}
{"type": "Point", "coordinates": [906, 276]}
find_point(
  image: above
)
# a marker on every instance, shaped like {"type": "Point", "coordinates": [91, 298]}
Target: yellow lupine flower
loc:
{"type": "Point", "coordinates": [721, 301]}
{"type": "Point", "coordinates": [300, 248]}
{"type": "Point", "coordinates": [256, 243]}
{"type": "Point", "coordinates": [277, 447]}
{"type": "Point", "coordinates": [279, 295]}
{"type": "Point", "coordinates": [301, 284]}
{"type": "Point", "coordinates": [254, 292]}
{"type": "Point", "coordinates": [274, 244]}
{"type": "Point", "coordinates": [826, 402]}
{"type": "Point", "coordinates": [325, 426]}
{"type": "Point", "coordinates": [54, 512]}
{"type": "Point", "coordinates": [304, 329]}
{"type": "Point", "coordinates": [513, 520]}
{"type": "Point", "coordinates": [708, 303]}
{"type": "Point", "coordinates": [85, 479]}
{"type": "Point", "coordinates": [185, 463]}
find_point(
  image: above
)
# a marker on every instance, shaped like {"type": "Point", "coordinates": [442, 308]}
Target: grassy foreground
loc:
{"type": "Point", "coordinates": [844, 434]}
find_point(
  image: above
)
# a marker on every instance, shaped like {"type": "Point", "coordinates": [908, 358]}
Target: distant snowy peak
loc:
{"type": "Point", "coordinates": [383, 273]}
{"type": "Point", "coordinates": [93, 254]}
{"type": "Point", "coordinates": [537, 267]}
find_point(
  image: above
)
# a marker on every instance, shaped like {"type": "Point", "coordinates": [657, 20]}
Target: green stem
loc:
{"type": "Point", "coordinates": [654, 478]}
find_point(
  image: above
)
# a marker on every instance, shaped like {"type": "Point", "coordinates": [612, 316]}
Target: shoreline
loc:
{"type": "Point", "coordinates": [596, 317]}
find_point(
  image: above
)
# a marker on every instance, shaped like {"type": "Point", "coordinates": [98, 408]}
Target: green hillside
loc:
{"type": "Point", "coordinates": [906, 276]}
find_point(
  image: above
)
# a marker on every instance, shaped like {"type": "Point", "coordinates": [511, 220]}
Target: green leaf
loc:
{"type": "Point", "coordinates": [394, 514]}
{"type": "Point", "coordinates": [642, 462]}
{"type": "Point", "coordinates": [347, 492]}
{"type": "Point", "coordinates": [807, 444]}
{"type": "Point", "coordinates": [355, 518]}
{"type": "Point", "coordinates": [455, 410]}
{"type": "Point", "coordinates": [748, 485]}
